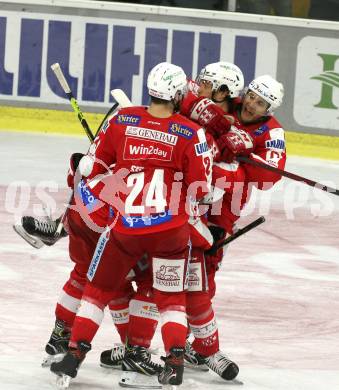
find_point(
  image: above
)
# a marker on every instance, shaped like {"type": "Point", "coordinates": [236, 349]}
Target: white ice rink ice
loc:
{"type": "Point", "coordinates": [277, 299]}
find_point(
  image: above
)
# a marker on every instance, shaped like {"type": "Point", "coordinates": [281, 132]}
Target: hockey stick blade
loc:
{"type": "Point", "coordinates": [234, 236]}
{"type": "Point", "coordinates": [121, 98]}
{"type": "Point", "coordinates": [34, 241]}
{"type": "Point", "coordinates": [66, 88]}
{"type": "Point", "coordinates": [289, 175]}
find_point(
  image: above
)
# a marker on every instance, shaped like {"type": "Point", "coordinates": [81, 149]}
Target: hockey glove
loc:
{"type": "Point", "coordinates": [210, 116]}
{"type": "Point", "coordinates": [235, 143]}
{"type": "Point", "coordinates": [73, 166]}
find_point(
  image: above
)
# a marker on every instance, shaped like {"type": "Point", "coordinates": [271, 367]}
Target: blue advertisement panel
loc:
{"type": "Point", "coordinates": [115, 48]}
{"type": "Point", "coordinates": [99, 55]}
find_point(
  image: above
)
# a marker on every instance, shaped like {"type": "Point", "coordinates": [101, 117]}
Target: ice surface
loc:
{"type": "Point", "coordinates": [277, 299]}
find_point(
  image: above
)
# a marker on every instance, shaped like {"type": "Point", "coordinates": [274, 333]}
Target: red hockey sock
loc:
{"type": "Point", "coordinates": [202, 323]}
{"type": "Point", "coordinates": [120, 317]}
{"type": "Point", "coordinates": [69, 299]}
{"type": "Point", "coordinates": [90, 314]}
{"type": "Point", "coordinates": [172, 309]}
{"type": "Point", "coordinates": [143, 320]}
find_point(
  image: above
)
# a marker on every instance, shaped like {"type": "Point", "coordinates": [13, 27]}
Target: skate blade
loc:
{"type": "Point", "coordinates": [34, 241]}
{"type": "Point", "coordinates": [111, 367]}
{"type": "Point", "coordinates": [49, 359]}
{"type": "Point", "coordinates": [136, 380]}
{"type": "Point", "coordinates": [63, 381]}
{"type": "Point", "coordinates": [196, 367]}
{"type": "Point", "coordinates": [236, 382]}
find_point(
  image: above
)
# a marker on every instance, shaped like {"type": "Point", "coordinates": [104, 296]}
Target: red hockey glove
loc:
{"type": "Point", "coordinates": [210, 116]}
{"type": "Point", "coordinates": [235, 143]}
{"type": "Point", "coordinates": [73, 166]}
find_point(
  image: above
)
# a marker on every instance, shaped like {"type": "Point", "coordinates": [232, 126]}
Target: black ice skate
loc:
{"type": "Point", "coordinates": [57, 345]}
{"type": "Point", "coordinates": [173, 371]}
{"type": "Point", "coordinates": [139, 371]}
{"type": "Point", "coordinates": [112, 358]}
{"type": "Point", "coordinates": [193, 359]}
{"type": "Point", "coordinates": [44, 229]}
{"type": "Point", "coordinates": [222, 365]}
{"type": "Point", "coordinates": [69, 365]}
{"type": "Point", "coordinates": [138, 359]}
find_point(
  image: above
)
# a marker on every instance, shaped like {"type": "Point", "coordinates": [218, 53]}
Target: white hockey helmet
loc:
{"type": "Point", "coordinates": [223, 73]}
{"type": "Point", "coordinates": [269, 89]}
{"type": "Point", "coordinates": [165, 80]}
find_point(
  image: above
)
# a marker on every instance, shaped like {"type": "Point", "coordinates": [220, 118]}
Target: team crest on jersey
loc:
{"type": "Point", "coordinates": [262, 129]}
{"type": "Point", "coordinates": [275, 144]}
{"type": "Point", "coordinates": [123, 119]}
{"type": "Point", "coordinates": [201, 148]}
{"type": "Point", "coordinates": [182, 131]}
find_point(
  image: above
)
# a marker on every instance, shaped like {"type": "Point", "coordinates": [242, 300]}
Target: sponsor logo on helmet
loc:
{"type": "Point", "coordinates": [145, 221]}
{"type": "Point", "coordinates": [172, 76]}
{"type": "Point", "coordinates": [182, 131]}
{"type": "Point", "coordinates": [123, 119]}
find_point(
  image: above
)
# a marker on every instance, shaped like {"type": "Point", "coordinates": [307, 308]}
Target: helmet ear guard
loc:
{"type": "Point", "coordinates": [223, 73]}
{"type": "Point", "coordinates": [166, 81]}
{"type": "Point", "coordinates": [268, 89]}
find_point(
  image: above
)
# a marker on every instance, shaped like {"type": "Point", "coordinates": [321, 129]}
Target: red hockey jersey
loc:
{"type": "Point", "coordinates": [269, 140]}
{"type": "Point", "coordinates": [161, 164]}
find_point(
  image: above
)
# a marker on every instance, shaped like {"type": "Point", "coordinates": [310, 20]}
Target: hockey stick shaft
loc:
{"type": "Point", "coordinates": [121, 99]}
{"type": "Point", "coordinates": [64, 215]}
{"type": "Point", "coordinates": [234, 236]}
{"type": "Point", "coordinates": [64, 85]}
{"type": "Point", "coordinates": [289, 175]}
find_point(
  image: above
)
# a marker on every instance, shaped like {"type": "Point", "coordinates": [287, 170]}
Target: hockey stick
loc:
{"type": "Point", "coordinates": [237, 234]}
{"type": "Point", "coordinates": [64, 85]}
{"type": "Point", "coordinates": [121, 100]}
{"type": "Point", "coordinates": [119, 94]}
{"type": "Point", "coordinates": [290, 175]}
